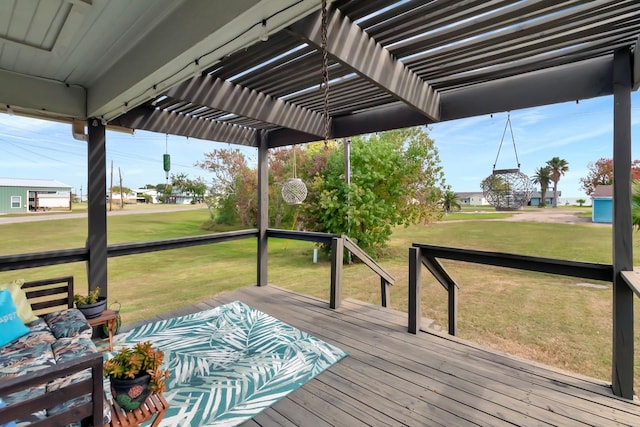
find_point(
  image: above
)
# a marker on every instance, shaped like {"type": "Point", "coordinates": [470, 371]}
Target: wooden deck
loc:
{"type": "Point", "coordinates": [394, 378]}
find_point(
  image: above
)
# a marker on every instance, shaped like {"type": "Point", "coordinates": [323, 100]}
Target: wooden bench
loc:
{"type": "Point", "coordinates": [46, 296]}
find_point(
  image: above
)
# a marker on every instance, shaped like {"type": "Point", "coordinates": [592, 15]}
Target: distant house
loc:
{"type": "Point", "coordinates": [471, 199]}
{"type": "Point", "coordinates": [24, 195]}
{"type": "Point", "coordinates": [602, 202]}
{"type": "Point", "coordinates": [536, 198]}
{"type": "Point", "coordinates": [146, 195]}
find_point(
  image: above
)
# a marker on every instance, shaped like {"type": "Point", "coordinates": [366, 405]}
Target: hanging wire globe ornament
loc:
{"type": "Point", "coordinates": [507, 189]}
{"type": "Point", "coordinates": [294, 191]}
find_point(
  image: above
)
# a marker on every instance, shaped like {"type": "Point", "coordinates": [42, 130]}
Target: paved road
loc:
{"type": "Point", "coordinates": [36, 216]}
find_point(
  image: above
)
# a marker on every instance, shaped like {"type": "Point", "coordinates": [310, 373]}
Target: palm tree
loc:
{"type": "Point", "coordinates": [450, 201]}
{"type": "Point", "coordinates": [558, 168]}
{"type": "Point", "coordinates": [542, 177]}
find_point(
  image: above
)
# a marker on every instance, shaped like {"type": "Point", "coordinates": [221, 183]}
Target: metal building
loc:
{"type": "Point", "coordinates": [31, 195]}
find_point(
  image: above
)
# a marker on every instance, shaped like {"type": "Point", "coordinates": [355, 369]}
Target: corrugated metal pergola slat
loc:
{"type": "Point", "coordinates": [562, 29]}
{"type": "Point", "coordinates": [524, 50]}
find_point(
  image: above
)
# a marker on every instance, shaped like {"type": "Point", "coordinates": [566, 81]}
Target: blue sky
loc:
{"type": "Point", "coordinates": [579, 133]}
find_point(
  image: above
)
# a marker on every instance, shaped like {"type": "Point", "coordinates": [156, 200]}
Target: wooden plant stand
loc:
{"type": "Point", "coordinates": [109, 318]}
{"type": "Point", "coordinates": [154, 405]}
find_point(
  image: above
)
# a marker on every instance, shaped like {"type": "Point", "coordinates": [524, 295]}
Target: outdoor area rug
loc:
{"type": "Point", "coordinates": [230, 363]}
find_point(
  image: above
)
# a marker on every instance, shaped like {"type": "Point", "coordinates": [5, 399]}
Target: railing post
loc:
{"type": "Point", "coordinates": [337, 252]}
{"type": "Point", "coordinates": [263, 207]}
{"type": "Point", "coordinates": [452, 293]}
{"type": "Point", "coordinates": [384, 292]}
{"type": "Point", "coordinates": [622, 367]}
{"type": "Point", "coordinates": [414, 290]}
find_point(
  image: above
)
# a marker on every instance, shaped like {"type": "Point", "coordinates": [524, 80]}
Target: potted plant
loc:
{"type": "Point", "coordinates": [135, 373]}
{"type": "Point", "coordinates": [91, 305]}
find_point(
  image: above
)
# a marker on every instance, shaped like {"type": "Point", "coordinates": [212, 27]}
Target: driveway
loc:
{"type": "Point", "coordinates": [560, 216]}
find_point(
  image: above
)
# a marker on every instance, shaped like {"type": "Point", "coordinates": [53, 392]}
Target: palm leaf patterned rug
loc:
{"type": "Point", "coordinates": [230, 363]}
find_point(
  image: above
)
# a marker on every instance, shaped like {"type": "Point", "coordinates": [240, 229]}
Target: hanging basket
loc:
{"type": "Point", "coordinates": [507, 189]}
{"type": "Point", "coordinates": [294, 191]}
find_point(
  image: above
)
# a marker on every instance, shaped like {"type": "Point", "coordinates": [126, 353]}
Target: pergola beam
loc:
{"type": "Point", "coordinates": [636, 65]}
{"type": "Point", "coordinates": [222, 95]}
{"type": "Point", "coordinates": [37, 95]}
{"type": "Point", "coordinates": [180, 124]}
{"type": "Point", "coordinates": [355, 49]}
{"type": "Point", "coordinates": [583, 80]}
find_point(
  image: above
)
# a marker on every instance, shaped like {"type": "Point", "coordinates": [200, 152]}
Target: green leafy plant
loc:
{"type": "Point", "coordinates": [92, 298]}
{"type": "Point", "coordinates": [133, 362]}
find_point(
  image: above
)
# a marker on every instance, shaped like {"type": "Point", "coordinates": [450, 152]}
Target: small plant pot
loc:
{"type": "Point", "coordinates": [130, 393]}
{"type": "Point", "coordinates": [93, 310]}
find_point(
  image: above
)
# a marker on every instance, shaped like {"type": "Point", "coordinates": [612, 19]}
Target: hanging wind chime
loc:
{"type": "Point", "coordinates": [507, 189]}
{"type": "Point", "coordinates": [166, 158]}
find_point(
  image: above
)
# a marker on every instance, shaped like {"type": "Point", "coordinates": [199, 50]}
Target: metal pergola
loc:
{"type": "Point", "coordinates": [392, 64]}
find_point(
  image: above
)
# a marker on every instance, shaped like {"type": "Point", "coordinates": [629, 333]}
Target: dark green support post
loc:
{"type": "Point", "coordinates": [97, 207]}
{"type": "Point", "coordinates": [263, 206]}
{"type": "Point", "coordinates": [622, 370]}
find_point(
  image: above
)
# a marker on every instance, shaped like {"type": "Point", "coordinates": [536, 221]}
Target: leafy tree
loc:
{"type": "Point", "coordinates": [495, 188]}
{"type": "Point", "coordinates": [558, 167]}
{"type": "Point", "coordinates": [581, 202]}
{"type": "Point", "coordinates": [396, 178]}
{"type": "Point", "coordinates": [601, 173]}
{"type": "Point", "coordinates": [542, 177]}
{"type": "Point", "coordinates": [635, 204]}
{"type": "Point", "coordinates": [234, 189]}
{"type": "Point", "coordinates": [450, 201]}
{"type": "Point", "coordinates": [164, 191]}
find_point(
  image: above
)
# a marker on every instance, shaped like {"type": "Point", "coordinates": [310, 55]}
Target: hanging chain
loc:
{"type": "Point", "coordinates": [513, 139]}
{"type": "Point", "coordinates": [507, 125]}
{"type": "Point", "coordinates": [294, 162]}
{"type": "Point", "coordinates": [325, 73]}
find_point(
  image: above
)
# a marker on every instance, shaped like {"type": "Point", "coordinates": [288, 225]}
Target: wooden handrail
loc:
{"type": "Point", "coordinates": [305, 236]}
{"type": "Point", "coordinates": [367, 260]}
{"type": "Point", "coordinates": [632, 278]}
{"type": "Point", "coordinates": [65, 256]}
{"type": "Point", "coordinates": [584, 270]}
{"type": "Point", "coordinates": [427, 255]}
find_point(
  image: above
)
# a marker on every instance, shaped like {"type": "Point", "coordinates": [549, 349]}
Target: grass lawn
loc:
{"type": "Point", "coordinates": [537, 316]}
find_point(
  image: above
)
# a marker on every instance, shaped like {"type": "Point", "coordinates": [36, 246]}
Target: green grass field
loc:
{"type": "Point", "coordinates": [537, 316]}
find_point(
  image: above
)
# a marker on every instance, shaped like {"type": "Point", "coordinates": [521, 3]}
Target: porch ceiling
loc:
{"type": "Point", "coordinates": [392, 63]}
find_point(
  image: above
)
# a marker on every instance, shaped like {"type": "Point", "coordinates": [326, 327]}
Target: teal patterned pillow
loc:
{"type": "Point", "coordinates": [11, 327]}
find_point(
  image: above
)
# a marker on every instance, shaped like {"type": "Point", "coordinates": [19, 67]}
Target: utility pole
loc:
{"type": "Point", "coordinates": [111, 189]}
{"type": "Point", "coordinates": [346, 142]}
{"type": "Point", "coordinates": [121, 195]}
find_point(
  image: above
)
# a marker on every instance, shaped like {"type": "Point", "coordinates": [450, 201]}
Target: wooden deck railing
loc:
{"type": "Point", "coordinates": [428, 256]}
{"type": "Point", "coordinates": [65, 256]}
{"type": "Point", "coordinates": [632, 278]}
{"type": "Point", "coordinates": [338, 243]}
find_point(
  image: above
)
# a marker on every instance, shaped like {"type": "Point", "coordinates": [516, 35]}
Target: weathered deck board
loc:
{"type": "Point", "coordinates": [394, 378]}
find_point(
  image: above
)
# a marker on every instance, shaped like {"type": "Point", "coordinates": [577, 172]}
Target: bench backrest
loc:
{"type": "Point", "coordinates": [49, 295]}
